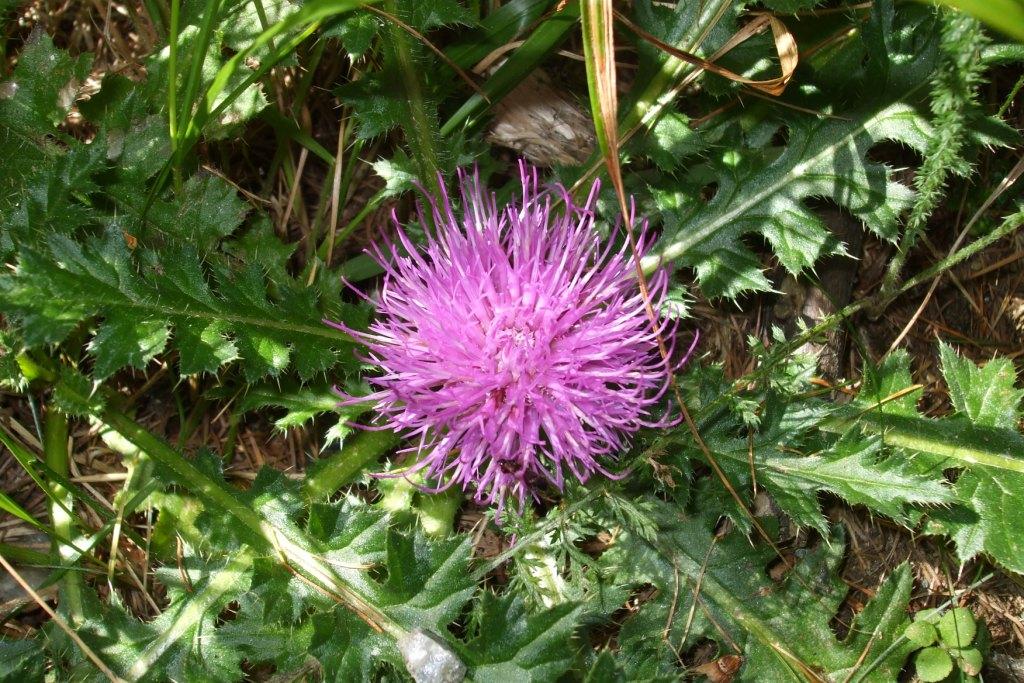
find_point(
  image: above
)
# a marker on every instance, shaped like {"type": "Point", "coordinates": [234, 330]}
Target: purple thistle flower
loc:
{"type": "Point", "coordinates": [514, 347]}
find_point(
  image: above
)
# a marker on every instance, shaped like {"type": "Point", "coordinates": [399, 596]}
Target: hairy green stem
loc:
{"type": "Point", "coordinates": [953, 93]}
{"type": "Point", "coordinates": [421, 133]}
{"type": "Point", "coordinates": [437, 511]}
{"type": "Point", "coordinates": [339, 469]}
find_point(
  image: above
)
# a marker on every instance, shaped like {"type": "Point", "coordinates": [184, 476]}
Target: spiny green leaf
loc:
{"type": "Point", "coordinates": [779, 627]}
{"type": "Point", "coordinates": [427, 14]}
{"type": "Point", "coordinates": [765, 190]}
{"type": "Point", "coordinates": [21, 660]}
{"type": "Point", "coordinates": [855, 470]}
{"type": "Point", "coordinates": [988, 520]}
{"type": "Point", "coordinates": [981, 439]}
{"type": "Point", "coordinates": [822, 158]}
{"type": "Point", "coordinates": [378, 100]}
{"type": "Point", "coordinates": [986, 396]}
{"type": "Point", "coordinates": [43, 87]}
{"type": "Point", "coordinates": [888, 379]}
{"type": "Point", "coordinates": [74, 394]}
{"type": "Point", "coordinates": [61, 283]}
{"type": "Point", "coordinates": [124, 340]}
{"type": "Point", "coordinates": [670, 141]}
{"type": "Point", "coordinates": [514, 645]}
{"type": "Point", "coordinates": [207, 210]}
{"type": "Point", "coordinates": [50, 199]}
{"type": "Point", "coordinates": [793, 463]}
{"type": "Point", "coordinates": [356, 33]}
{"type": "Point", "coordinates": [301, 403]}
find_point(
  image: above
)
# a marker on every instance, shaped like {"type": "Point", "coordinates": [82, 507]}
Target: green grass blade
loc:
{"type": "Point", "coordinates": [541, 43]}
{"type": "Point", "coordinates": [307, 20]}
{"type": "Point", "coordinates": [498, 28]}
{"type": "Point", "coordinates": [11, 507]}
{"type": "Point", "coordinates": [193, 80]}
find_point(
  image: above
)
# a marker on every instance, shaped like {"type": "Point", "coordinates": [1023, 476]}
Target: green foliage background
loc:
{"type": "Point", "coordinates": [123, 250]}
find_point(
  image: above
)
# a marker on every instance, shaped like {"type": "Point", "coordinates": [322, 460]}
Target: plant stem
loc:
{"type": "Point", "coordinates": [290, 550]}
{"type": "Point", "coordinates": [954, 87]}
{"type": "Point", "coordinates": [339, 469]}
{"type": "Point", "coordinates": [421, 133]}
{"type": "Point", "coordinates": [55, 448]}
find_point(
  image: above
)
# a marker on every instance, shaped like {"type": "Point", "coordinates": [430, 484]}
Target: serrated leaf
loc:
{"type": "Point", "coordinates": [764, 191]}
{"type": "Point", "coordinates": [204, 345]}
{"type": "Point", "coordinates": [793, 464]}
{"type": "Point", "coordinates": [729, 271]}
{"type": "Point", "coordinates": [769, 198]}
{"type": "Point", "coordinates": [986, 396]}
{"type": "Point", "coordinates": [985, 515]}
{"type": "Point", "coordinates": [259, 244]}
{"type": "Point", "coordinates": [123, 340]}
{"type": "Point", "coordinates": [513, 645]}
{"type": "Point", "coordinates": [356, 33]}
{"type": "Point", "coordinates": [398, 173]}
{"type": "Point", "coordinates": [205, 211]}
{"type": "Point", "coordinates": [780, 628]}
{"type": "Point", "coordinates": [378, 101]}
{"type": "Point", "coordinates": [347, 650]}
{"type": "Point", "coordinates": [427, 580]}
{"type": "Point", "coordinates": [49, 199]}
{"type": "Point", "coordinates": [43, 87]}
{"type": "Point", "coordinates": [74, 394]}
{"type": "Point", "coordinates": [672, 140]}
{"type": "Point", "coordinates": [12, 378]}
{"type": "Point", "coordinates": [855, 470]}
{"type": "Point", "coordinates": [301, 403]}
{"type": "Point", "coordinates": [990, 521]}
{"type": "Point", "coordinates": [427, 14]}
{"type": "Point", "coordinates": [61, 283]}
{"type": "Point", "coordinates": [888, 379]}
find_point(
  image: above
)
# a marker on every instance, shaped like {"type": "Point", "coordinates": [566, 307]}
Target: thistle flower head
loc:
{"type": "Point", "coordinates": [515, 347]}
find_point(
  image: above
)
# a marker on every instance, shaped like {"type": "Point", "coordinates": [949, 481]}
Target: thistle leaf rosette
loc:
{"type": "Point", "coordinates": [515, 347]}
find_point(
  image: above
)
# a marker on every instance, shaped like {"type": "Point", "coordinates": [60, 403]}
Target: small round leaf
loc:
{"type": "Point", "coordinates": [958, 628]}
{"type": "Point", "coordinates": [969, 661]}
{"type": "Point", "coordinates": [921, 634]}
{"type": "Point", "coordinates": [933, 664]}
